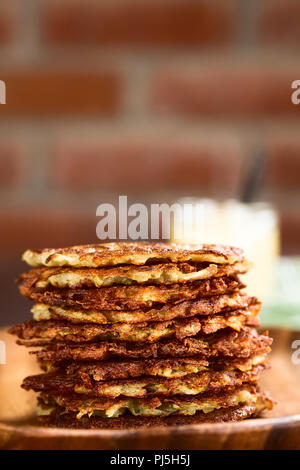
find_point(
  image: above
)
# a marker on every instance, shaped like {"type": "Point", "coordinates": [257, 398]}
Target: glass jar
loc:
{"type": "Point", "coordinates": [253, 227]}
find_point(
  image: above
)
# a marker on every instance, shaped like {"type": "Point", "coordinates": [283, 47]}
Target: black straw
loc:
{"type": "Point", "coordinates": [254, 178]}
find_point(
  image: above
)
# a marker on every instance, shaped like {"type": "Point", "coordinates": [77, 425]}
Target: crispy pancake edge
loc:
{"type": "Point", "coordinates": [110, 254]}
{"type": "Point", "coordinates": [224, 415]}
{"type": "Point", "coordinates": [170, 368]}
{"type": "Point", "coordinates": [160, 274]}
{"type": "Point", "coordinates": [34, 333]}
{"type": "Point", "coordinates": [191, 384]}
{"type": "Point", "coordinates": [131, 297]}
{"type": "Point", "coordinates": [223, 344]}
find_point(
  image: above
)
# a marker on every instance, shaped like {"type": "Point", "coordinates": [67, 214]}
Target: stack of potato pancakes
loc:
{"type": "Point", "coordinates": [142, 334]}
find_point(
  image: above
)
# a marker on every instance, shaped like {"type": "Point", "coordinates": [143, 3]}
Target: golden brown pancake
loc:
{"type": "Point", "coordinates": [120, 369]}
{"type": "Point", "coordinates": [167, 273]}
{"type": "Point", "coordinates": [131, 297]}
{"type": "Point", "coordinates": [188, 308]}
{"type": "Point", "coordinates": [159, 406]}
{"type": "Point", "coordinates": [110, 254]}
{"type": "Point", "coordinates": [223, 415]}
{"type": "Point", "coordinates": [169, 368]}
{"type": "Point", "coordinates": [40, 333]}
{"type": "Point", "coordinates": [192, 384]}
{"type": "Point", "coordinates": [227, 343]}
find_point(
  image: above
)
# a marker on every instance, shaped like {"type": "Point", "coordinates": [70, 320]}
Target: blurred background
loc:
{"type": "Point", "coordinates": [158, 100]}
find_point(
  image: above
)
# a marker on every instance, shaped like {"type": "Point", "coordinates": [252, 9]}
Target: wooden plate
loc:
{"type": "Point", "coordinates": [278, 429]}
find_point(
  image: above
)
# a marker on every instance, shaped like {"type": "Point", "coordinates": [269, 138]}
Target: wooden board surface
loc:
{"type": "Point", "coordinates": [278, 429]}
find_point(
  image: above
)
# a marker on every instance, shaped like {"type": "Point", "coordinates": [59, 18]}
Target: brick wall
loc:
{"type": "Point", "coordinates": [154, 99]}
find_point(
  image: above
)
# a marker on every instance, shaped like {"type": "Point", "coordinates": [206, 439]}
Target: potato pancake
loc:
{"type": "Point", "coordinates": [39, 333]}
{"type": "Point", "coordinates": [169, 368]}
{"type": "Point", "coordinates": [227, 343]}
{"type": "Point", "coordinates": [192, 384]}
{"type": "Point", "coordinates": [54, 416]}
{"type": "Point", "coordinates": [188, 308]}
{"type": "Point", "coordinates": [152, 406]}
{"type": "Point", "coordinates": [110, 254]}
{"type": "Point", "coordinates": [132, 297]}
{"type": "Point", "coordinates": [168, 273]}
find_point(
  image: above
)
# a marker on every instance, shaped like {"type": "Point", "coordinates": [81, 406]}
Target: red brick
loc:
{"type": "Point", "coordinates": [140, 166]}
{"type": "Point", "coordinates": [283, 164]}
{"type": "Point", "coordinates": [40, 227]}
{"type": "Point", "coordinates": [9, 164]}
{"type": "Point", "coordinates": [44, 92]}
{"type": "Point", "coordinates": [7, 23]}
{"type": "Point", "coordinates": [279, 22]}
{"type": "Point", "coordinates": [168, 22]}
{"type": "Point", "coordinates": [290, 232]}
{"type": "Point", "coordinates": [249, 91]}
{"type": "Point", "coordinates": [37, 226]}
